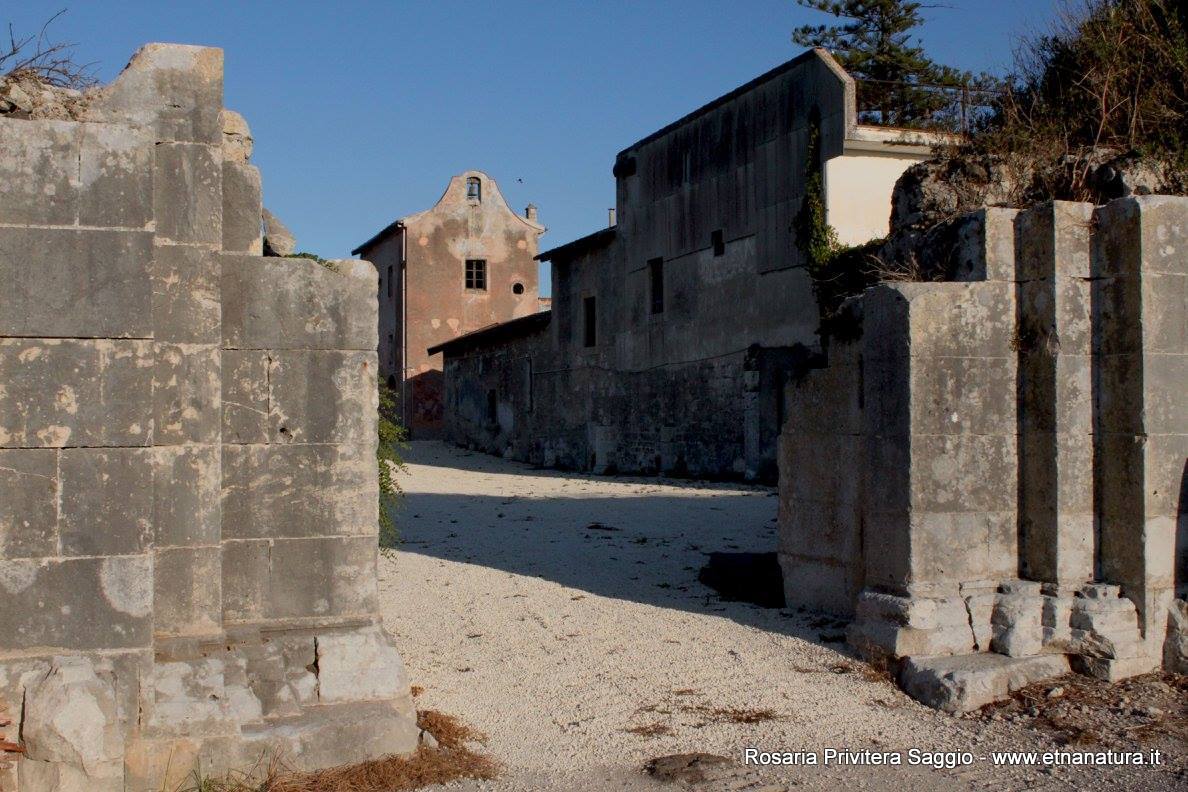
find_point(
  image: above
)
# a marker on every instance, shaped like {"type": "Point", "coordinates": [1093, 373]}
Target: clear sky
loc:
{"type": "Point", "coordinates": [362, 111]}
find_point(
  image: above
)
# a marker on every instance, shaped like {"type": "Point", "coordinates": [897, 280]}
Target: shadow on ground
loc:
{"type": "Point", "coordinates": [644, 540]}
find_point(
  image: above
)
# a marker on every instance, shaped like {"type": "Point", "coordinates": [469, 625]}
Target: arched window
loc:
{"type": "Point", "coordinates": [474, 188]}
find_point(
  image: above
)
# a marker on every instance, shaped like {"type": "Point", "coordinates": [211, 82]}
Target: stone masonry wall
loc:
{"type": "Point", "coordinates": [187, 456]}
{"type": "Point", "coordinates": [990, 474]}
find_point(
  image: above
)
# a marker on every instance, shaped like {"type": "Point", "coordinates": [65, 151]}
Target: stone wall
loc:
{"type": "Point", "coordinates": [1012, 447]}
{"type": "Point", "coordinates": [188, 495]}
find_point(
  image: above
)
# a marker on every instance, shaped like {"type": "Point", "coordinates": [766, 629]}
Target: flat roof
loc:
{"type": "Point", "coordinates": [513, 328]}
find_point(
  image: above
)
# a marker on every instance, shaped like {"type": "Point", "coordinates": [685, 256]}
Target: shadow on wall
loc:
{"type": "Point", "coordinates": [1181, 558]}
{"type": "Point", "coordinates": [645, 547]}
{"type": "Point", "coordinates": [424, 416]}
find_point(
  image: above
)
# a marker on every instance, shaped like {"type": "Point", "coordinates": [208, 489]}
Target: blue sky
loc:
{"type": "Point", "coordinates": [363, 110]}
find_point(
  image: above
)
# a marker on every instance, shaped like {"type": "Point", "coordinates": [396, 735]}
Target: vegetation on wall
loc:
{"type": "Point", "coordinates": [1110, 81]}
{"type": "Point", "coordinates": [392, 438]}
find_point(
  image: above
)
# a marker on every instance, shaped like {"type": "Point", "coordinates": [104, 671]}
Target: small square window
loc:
{"type": "Point", "coordinates": [474, 188]}
{"type": "Point", "coordinates": [476, 274]}
{"type": "Point", "coordinates": [718, 242]}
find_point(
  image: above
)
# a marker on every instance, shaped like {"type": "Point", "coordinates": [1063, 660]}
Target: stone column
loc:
{"type": "Point", "coordinates": [1140, 376]}
{"type": "Point", "coordinates": [1054, 395]}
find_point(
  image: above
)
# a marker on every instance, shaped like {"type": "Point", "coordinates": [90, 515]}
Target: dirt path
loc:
{"type": "Point", "coordinates": [559, 640]}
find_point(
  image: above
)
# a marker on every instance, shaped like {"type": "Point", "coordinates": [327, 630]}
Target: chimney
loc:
{"type": "Point", "coordinates": [530, 212]}
{"type": "Point", "coordinates": [610, 218]}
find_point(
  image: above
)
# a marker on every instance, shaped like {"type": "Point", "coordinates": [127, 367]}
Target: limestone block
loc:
{"type": "Point", "coordinates": [963, 473]}
{"type": "Point", "coordinates": [278, 671]}
{"type": "Point", "coordinates": [278, 239]}
{"type": "Point", "coordinates": [187, 394]}
{"type": "Point", "coordinates": [821, 584]}
{"type": "Point", "coordinates": [241, 209]}
{"type": "Point", "coordinates": [66, 392]}
{"type": "Point", "coordinates": [963, 395]}
{"type": "Point", "coordinates": [299, 490]}
{"type": "Point", "coordinates": [186, 306]}
{"type": "Point", "coordinates": [189, 697]}
{"type": "Point", "coordinates": [906, 626]}
{"type": "Point", "coordinates": [39, 171]}
{"type": "Point", "coordinates": [1114, 669]}
{"type": "Point", "coordinates": [1175, 648]}
{"type": "Point", "coordinates": [246, 397]}
{"type": "Point", "coordinates": [1165, 322]}
{"type": "Point", "coordinates": [943, 319]}
{"type": "Point", "coordinates": [322, 577]}
{"type": "Point", "coordinates": [820, 467]}
{"type": "Point", "coordinates": [188, 193]}
{"type": "Point", "coordinates": [1017, 624]}
{"type": "Point", "coordinates": [173, 89]}
{"type": "Point", "coordinates": [821, 529]}
{"type": "Point", "coordinates": [84, 603]}
{"type": "Point", "coordinates": [979, 600]}
{"type": "Point", "coordinates": [106, 503]}
{"type": "Point", "coordinates": [75, 283]}
{"type": "Point", "coordinates": [187, 486]}
{"type": "Point", "coordinates": [246, 579]}
{"type": "Point", "coordinates": [986, 541]}
{"type": "Point", "coordinates": [964, 683]}
{"type": "Point", "coordinates": [70, 718]}
{"type": "Point", "coordinates": [28, 503]}
{"type": "Point", "coordinates": [986, 246]}
{"type": "Point", "coordinates": [1057, 613]}
{"type": "Point", "coordinates": [359, 665]}
{"type": "Point", "coordinates": [887, 548]}
{"type": "Point", "coordinates": [115, 176]}
{"type": "Point", "coordinates": [322, 397]}
{"type": "Point", "coordinates": [188, 591]}
{"type": "Point", "coordinates": [237, 137]}
{"type": "Point", "coordinates": [275, 303]}
{"type": "Point", "coordinates": [1165, 380]}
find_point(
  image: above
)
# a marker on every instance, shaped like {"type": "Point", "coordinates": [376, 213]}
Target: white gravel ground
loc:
{"type": "Point", "coordinates": [555, 639]}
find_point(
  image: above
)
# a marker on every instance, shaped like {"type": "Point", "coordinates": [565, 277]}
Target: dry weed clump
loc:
{"type": "Point", "coordinates": [650, 730]}
{"type": "Point", "coordinates": [717, 715]}
{"type": "Point", "coordinates": [450, 760]}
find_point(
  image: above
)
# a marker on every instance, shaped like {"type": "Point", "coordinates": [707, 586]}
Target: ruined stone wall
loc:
{"type": "Point", "coordinates": [187, 456]}
{"type": "Point", "coordinates": [1012, 499]}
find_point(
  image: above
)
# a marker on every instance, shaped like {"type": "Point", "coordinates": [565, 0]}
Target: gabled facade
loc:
{"type": "Point", "coordinates": [464, 264]}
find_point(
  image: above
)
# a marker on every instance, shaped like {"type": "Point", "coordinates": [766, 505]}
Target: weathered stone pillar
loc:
{"type": "Point", "coordinates": [1140, 376]}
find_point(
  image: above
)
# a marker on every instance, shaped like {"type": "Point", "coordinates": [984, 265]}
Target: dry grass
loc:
{"type": "Point", "coordinates": [452, 759]}
{"type": "Point", "coordinates": [650, 730]}
{"type": "Point", "coordinates": [719, 715]}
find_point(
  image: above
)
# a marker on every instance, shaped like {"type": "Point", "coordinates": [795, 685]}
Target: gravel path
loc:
{"type": "Point", "coordinates": [556, 639]}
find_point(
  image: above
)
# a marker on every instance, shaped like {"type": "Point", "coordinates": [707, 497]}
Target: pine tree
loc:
{"type": "Point", "coordinates": [876, 47]}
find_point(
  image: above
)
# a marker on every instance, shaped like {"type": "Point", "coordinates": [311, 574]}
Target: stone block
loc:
{"type": "Point", "coordinates": [246, 579]}
{"type": "Point", "coordinates": [187, 489]}
{"type": "Point", "coordinates": [69, 392]}
{"type": "Point", "coordinates": [985, 246]}
{"type": "Point", "coordinates": [246, 416]}
{"type": "Point", "coordinates": [1165, 381]}
{"type": "Point", "coordinates": [186, 307]}
{"type": "Point", "coordinates": [39, 171]}
{"type": "Point", "coordinates": [967, 682]}
{"type": "Point", "coordinates": [70, 720]}
{"type": "Point", "coordinates": [115, 176]}
{"type": "Point", "coordinates": [174, 90]}
{"type": "Point", "coordinates": [188, 193]}
{"type": "Point", "coordinates": [75, 283]}
{"type": "Point", "coordinates": [886, 542]}
{"type": "Point", "coordinates": [945, 319]}
{"type": "Point", "coordinates": [188, 591]}
{"type": "Point", "coordinates": [1017, 625]}
{"type": "Point", "coordinates": [359, 665]}
{"type": "Point", "coordinates": [1165, 322]}
{"type": "Point", "coordinates": [821, 529]}
{"type": "Point", "coordinates": [241, 209]}
{"type": "Point", "coordinates": [28, 503]}
{"type": "Point", "coordinates": [963, 395]}
{"type": "Point", "coordinates": [106, 501]}
{"type": "Point", "coordinates": [820, 584]}
{"type": "Point", "coordinates": [299, 490]}
{"type": "Point", "coordinates": [820, 468]}
{"type": "Point", "coordinates": [280, 303]}
{"type": "Point", "coordinates": [987, 542]}
{"type": "Point", "coordinates": [963, 473]}
{"type": "Point", "coordinates": [84, 603]}
{"type": "Point", "coordinates": [322, 577]}
{"type": "Point", "coordinates": [322, 397]}
{"type": "Point", "coordinates": [1113, 669]}
{"type": "Point", "coordinates": [187, 394]}
{"type": "Point", "coordinates": [1175, 647]}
